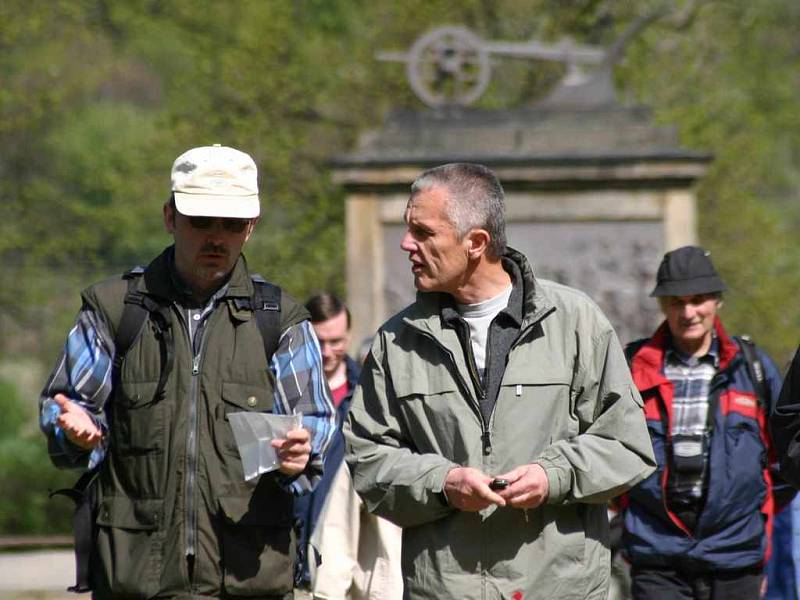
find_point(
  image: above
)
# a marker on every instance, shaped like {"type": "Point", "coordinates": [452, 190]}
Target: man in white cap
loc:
{"type": "Point", "coordinates": [141, 394]}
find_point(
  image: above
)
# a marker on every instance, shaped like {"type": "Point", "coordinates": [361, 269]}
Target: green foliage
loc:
{"type": "Point", "coordinates": [727, 79]}
{"type": "Point", "coordinates": [97, 98]}
{"type": "Point", "coordinates": [26, 476]}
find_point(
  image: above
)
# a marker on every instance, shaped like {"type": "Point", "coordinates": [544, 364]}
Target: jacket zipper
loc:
{"type": "Point", "coordinates": [486, 436]}
{"type": "Point", "coordinates": [191, 444]}
{"type": "Point", "coordinates": [714, 393]}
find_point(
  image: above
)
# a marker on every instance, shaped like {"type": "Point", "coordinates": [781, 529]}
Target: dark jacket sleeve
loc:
{"type": "Point", "coordinates": [785, 424]}
{"type": "Point", "coordinates": [782, 490]}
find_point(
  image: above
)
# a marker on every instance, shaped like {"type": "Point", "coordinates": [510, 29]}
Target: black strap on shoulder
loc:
{"type": "Point", "coordinates": [266, 306]}
{"type": "Point", "coordinates": [138, 306]}
{"type": "Point", "coordinates": [82, 526]}
{"type": "Point", "coordinates": [632, 348]}
{"type": "Point", "coordinates": [134, 314]}
{"type": "Point", "coordinates": [754, 369]}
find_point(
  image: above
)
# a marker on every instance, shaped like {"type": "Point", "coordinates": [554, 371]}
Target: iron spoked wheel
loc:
{"type": "Point", "coordinates": [448, 66]}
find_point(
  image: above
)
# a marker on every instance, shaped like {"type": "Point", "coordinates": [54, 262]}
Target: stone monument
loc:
{"type": "Point", "coordinates": [595, 192]}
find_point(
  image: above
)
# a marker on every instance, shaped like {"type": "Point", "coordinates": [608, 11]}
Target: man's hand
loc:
{"type": "Point", "coordinates": [293, 451]}
{"type": "Point", "coordinates": [467, 489]}
{"type": "Point", "coordinates": [528, 486]}
{"type": "Point", "coordinates": [76, 423]}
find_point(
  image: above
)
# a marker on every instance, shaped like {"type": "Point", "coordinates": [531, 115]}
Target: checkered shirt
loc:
{"type": "Point", "coordinates": [691, 380]}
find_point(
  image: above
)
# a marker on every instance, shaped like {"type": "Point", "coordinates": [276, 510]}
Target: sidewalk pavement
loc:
{"type": "Point", "coordinates": [38, 575]}
{"type": "Point", "coordinates": [45, 575]}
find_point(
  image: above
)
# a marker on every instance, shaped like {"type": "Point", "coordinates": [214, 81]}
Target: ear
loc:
{"type": "Point", "coordinates": [478, 242]}
{"type": "Point", "coordinates": [169, 217]}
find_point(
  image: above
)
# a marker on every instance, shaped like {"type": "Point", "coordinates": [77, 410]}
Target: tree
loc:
{"type": "Point", "coordinates": [97, 97]}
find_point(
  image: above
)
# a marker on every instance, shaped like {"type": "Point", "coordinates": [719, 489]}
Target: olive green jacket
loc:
{"type": "Point", "coordinates": [566, 402]}
{"type": "Point", "coordinates": [172, 481]}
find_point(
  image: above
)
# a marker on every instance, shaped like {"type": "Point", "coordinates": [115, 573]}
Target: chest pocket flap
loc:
{"type": "Point", "coordinates": [244, 396]}
{"type": "Point", "coordinates": [539, 371]}
{"type": "Point", "coordinates": [127, 513]}
{"type": "Point", "coordinates": [426, 382]}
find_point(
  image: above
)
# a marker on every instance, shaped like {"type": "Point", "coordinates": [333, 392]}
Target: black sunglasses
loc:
{"type": "Point", "coordinates": [230, 225]}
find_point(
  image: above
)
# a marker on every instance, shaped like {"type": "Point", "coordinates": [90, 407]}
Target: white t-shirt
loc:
{"type": "Point", "coordinates": [479, 316]}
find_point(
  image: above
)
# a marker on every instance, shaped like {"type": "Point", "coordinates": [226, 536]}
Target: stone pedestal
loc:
{"type": "Point", "coordinates": [594, 196]}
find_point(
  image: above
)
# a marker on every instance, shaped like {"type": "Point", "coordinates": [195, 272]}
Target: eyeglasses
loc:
{"type": "Point", "coordinates": [230, 225]}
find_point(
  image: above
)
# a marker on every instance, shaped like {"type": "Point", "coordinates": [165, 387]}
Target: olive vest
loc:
{"type": "Point", "coordinates": [172, 483]}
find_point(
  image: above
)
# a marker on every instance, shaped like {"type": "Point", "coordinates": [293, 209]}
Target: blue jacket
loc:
{"type": "Point", "coordinates": [307, 508]}
{"type": "Point", "coordinates": [782, 567]}
{"type": "Point", "coordinates": [734, 526]}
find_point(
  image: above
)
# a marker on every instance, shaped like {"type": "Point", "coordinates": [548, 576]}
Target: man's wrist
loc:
{"type": "Point", "coordinates": [444, 484]}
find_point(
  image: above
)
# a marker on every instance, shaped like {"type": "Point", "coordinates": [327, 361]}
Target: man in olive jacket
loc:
{"type": "Point", "coordinates": [495, 416]}
{"type": "Point", "coordinates": [174, 516]}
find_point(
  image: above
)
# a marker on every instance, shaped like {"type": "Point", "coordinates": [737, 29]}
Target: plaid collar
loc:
{"type": "Point", "coordinates": [674, 357]}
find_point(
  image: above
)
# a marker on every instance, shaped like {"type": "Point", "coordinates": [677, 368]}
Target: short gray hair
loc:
{"type": "Point", "coordinates": [475, 200]}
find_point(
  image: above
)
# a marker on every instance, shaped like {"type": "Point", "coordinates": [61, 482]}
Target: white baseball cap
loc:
{"type": "Point", "coordinates": [216, 181]}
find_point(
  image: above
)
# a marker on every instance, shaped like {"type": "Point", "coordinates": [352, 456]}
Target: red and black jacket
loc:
{"type": "Point", "coordinates": [734, 525]}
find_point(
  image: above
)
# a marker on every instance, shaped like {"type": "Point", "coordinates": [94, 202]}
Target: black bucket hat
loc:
{"type": "Point", "coordinates": [687, 271]}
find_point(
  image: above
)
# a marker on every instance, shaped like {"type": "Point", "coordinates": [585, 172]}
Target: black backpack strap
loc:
{"type": "Point", "coordinates": [754, 369]}
{"type": "Point", "coordinates": [82, 527]}
{"type": "Point", "coordinates": [134, 314]}
{"type": "Point", "coordinates": [138, 306]}
{"type": "Point", "coordinates": [266, 306]}
{"type": "Point", "coordinates": [632, 348]}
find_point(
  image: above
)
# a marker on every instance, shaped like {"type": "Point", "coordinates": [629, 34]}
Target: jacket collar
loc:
{"type": "Point", "coordinates": [647, 364]}
{"type": "Point", "coordinates": [160, 279]}
{"type": "Point", "coordinates": [425, 313]}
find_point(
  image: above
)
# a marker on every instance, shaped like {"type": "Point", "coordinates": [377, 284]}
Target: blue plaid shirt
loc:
{"type": "Point", "coordinates": [691, 380]}
{"type": "Point", "coordinates": [84, 374]}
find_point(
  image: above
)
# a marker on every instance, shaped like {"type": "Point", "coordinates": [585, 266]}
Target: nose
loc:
{"type": "Point", "coordinates": [688, 311]}
{"type": "Point", "coordinates": [407, 243]}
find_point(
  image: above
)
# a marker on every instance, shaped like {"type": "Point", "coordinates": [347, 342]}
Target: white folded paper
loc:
{"type": "Point", "coordinates": [253, 433]}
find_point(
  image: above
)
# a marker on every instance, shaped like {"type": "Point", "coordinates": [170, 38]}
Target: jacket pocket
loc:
{"type": "Point", "coordinates": [137, 432]}
{"type": "Point", "coordinates": [746, 457]}
{"type": "Point", "coordinates": [565, 531]}
{"type": "Point", "coordinates": [137, 425]}
{"type": "Point", "coordinates": [532, 383]}
{"type": "Point", "coordinates": [434, 383]}
{"type": "Point", "coordinates": [437, 410]}
{"type": "Point", "coordinates": [544, 393]}
{"type": "Point", "coordinates": [237, 397]}
{"type": "Point", "coordinates": [127, 559]}
{"type": "Point", "coordinates": [258, 547]}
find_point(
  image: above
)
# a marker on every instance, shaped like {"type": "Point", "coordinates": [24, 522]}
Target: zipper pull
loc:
{"type": "Point", "coordinates": [196, 365]}
{"type": "Point", "coordinates": [486, 437]}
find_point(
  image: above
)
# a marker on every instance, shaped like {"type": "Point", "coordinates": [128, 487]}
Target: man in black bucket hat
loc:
{"type": "Point", "coordinates": [699, 526]}
{"type": "Point", "coordinates": [687, 270]}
